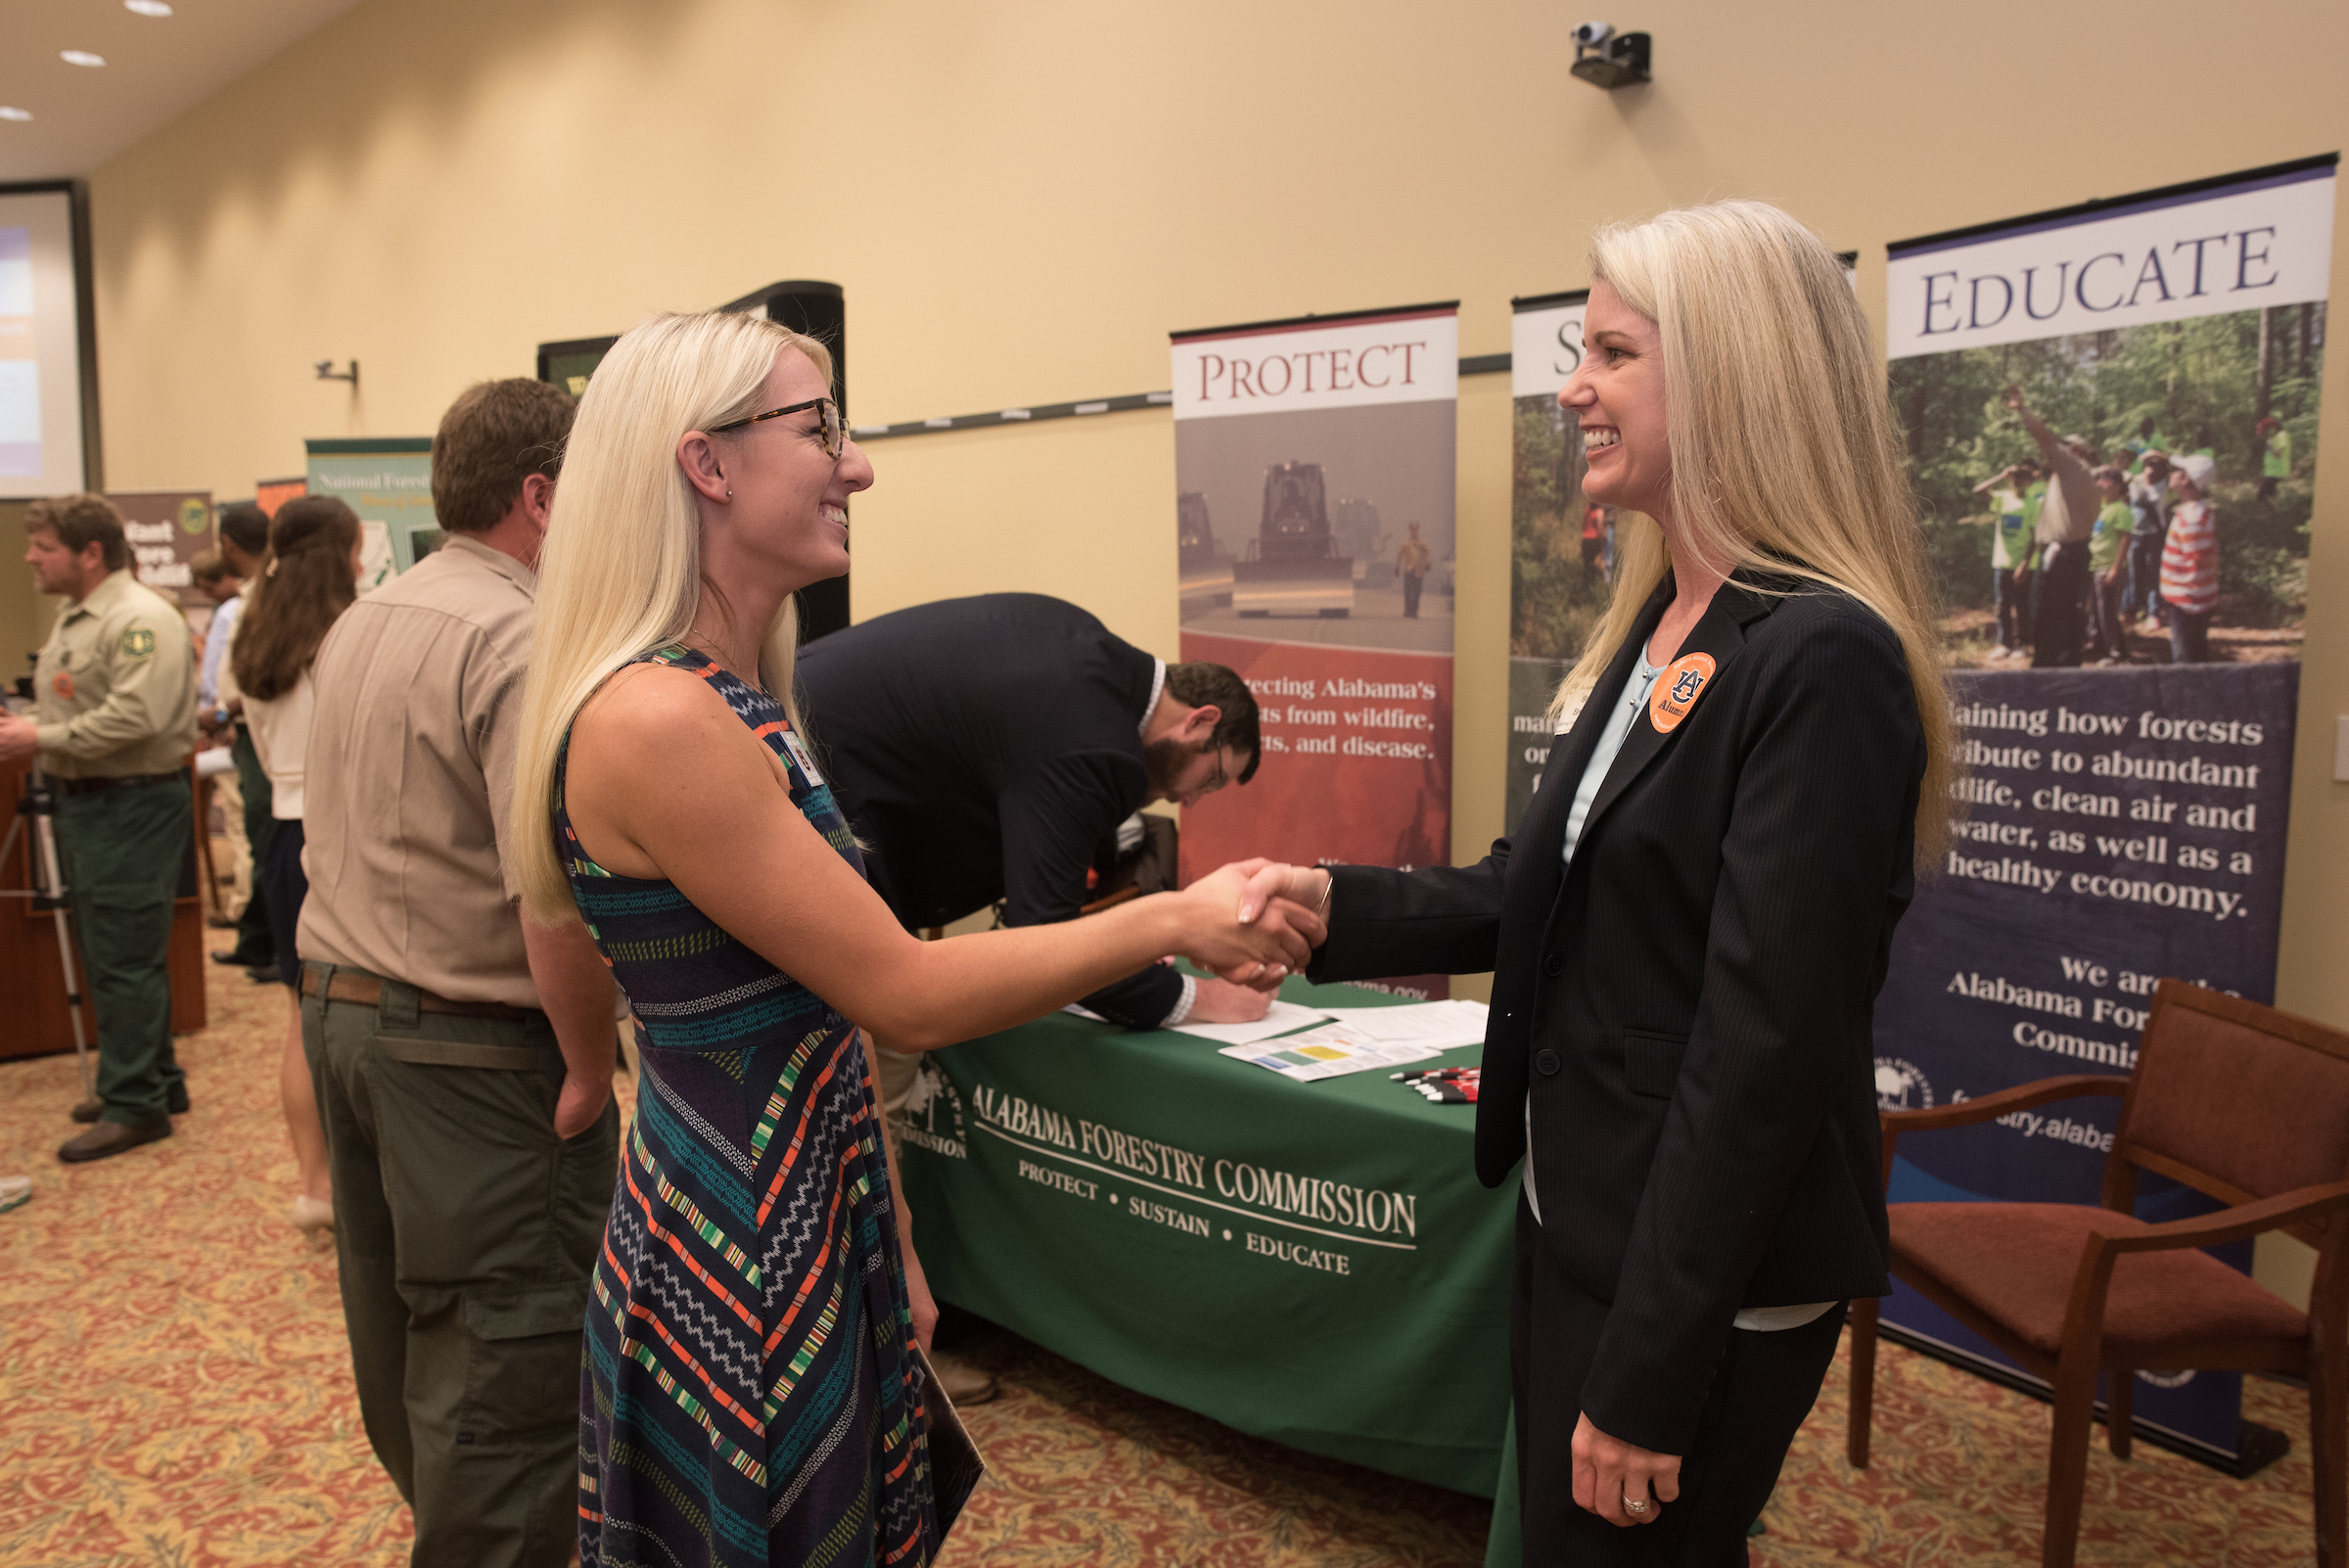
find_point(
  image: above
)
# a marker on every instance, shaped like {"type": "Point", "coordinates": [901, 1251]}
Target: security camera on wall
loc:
{"type": "Point", "coordinates": [1606, 58]}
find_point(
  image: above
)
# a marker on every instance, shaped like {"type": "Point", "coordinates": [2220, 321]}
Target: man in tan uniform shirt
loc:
{"type": "Point", "coordinates": [462, 1061]}
{"type": "Point", "coordinates": [114, 719]}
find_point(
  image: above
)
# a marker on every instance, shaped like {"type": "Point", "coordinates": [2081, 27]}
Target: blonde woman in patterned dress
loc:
{"type": "Point", "coordinates": [749, 1394]}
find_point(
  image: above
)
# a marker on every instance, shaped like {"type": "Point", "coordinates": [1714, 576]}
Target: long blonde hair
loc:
{"type": "Point", "coordinates": [1784, 455]}
{"type": "Point", "coordinates": [620, 571]}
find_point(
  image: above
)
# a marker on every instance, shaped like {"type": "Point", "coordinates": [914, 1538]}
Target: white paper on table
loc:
{"type": "Point", "coordinates": [1280, 1019]}
{"type": "Point", "coordinates": [1439, 1024]}
{"type": "Point", "coordinates": [1329, 1051]}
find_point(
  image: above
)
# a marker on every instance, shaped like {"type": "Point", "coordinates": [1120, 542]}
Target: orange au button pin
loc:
{"type": "Point", "coordinates": [1677, 689]}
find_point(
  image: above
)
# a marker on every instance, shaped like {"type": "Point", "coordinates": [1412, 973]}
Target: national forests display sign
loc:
{"type": "Point", "coordinates": [1314, 463]}
{"type": "Point", "coordinates": [388, 482]}
{"type": "Point", "coordinates": [2125, 666]}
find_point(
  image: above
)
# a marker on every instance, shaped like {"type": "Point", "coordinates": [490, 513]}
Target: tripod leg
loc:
{"type": "Point", "coordinates": [50, 878]}
{"type": "Point", "coordinates": [64, 959]}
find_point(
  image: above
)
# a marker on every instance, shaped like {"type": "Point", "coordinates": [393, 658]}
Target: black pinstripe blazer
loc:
{"type": "Point", "coordinates": [1689, 1007]}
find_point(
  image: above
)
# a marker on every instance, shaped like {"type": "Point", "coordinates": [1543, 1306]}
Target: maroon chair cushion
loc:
{"type": "Point", "coordinates": [2015, 1262]}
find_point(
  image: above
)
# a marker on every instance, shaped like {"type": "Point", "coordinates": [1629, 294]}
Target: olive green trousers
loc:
{"type": "Point", "coordinates": [466, 1233]}
{"type": "Point", "coordinates": [121, 851]}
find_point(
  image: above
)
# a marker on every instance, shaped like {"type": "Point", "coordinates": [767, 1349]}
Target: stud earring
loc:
{"type": "Point", "coordinates": [730, 492]}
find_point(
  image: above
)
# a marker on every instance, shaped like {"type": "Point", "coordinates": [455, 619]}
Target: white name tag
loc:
{"type": "Point", "coordinates": [806, 763]}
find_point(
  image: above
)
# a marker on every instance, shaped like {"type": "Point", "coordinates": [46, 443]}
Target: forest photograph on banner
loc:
{"type": "Point", "coordinates": [1561, 543]}
{"type": "Point", "coordinates": [2112, 424]}
{"type": "Point", "coordinates": [1315, 476]}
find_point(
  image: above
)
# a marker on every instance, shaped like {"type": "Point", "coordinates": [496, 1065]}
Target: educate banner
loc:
{"type": "Point", "coordinates": [1314, 465]}
{"type": "Point", "coordinates": [1561, 546]}
{"type": "Point", "coordinates": [2122, 814]}
{"type": "Point", "coordinates": [388, 482]}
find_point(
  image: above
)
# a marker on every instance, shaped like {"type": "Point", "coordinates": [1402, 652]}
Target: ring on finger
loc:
{"type": "Point", "coordinates": [1634, 1507]}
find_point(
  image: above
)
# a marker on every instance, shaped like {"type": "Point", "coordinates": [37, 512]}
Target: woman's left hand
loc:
{"type": "Point", "coordinates": [917, 1293]}
{"type": "Point", "coordinates": [1610, 1475]}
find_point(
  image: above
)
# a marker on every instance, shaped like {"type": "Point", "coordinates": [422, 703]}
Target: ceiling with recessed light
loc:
{"type": "Point", "coordinates": [156, 67]}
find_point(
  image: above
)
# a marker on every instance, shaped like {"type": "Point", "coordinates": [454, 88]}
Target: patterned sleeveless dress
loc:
{"type": "Point", "coordinates": [749, 1394]}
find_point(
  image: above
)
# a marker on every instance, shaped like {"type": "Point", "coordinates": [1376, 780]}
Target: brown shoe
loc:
{"type": "Point", "coordinates": [109, 1138]}
{"type": "Point", "coordinates": [175, 1100]}
{"type": "Point", "coordinates": [964, 1384]}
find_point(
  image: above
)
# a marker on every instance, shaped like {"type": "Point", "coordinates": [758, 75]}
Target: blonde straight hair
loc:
{"type": "Point", "coordinates": [1784, 455]}
{"type": "Point", "coordinates": [620, 571]}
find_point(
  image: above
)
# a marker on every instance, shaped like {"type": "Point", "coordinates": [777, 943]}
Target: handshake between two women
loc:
{"type": "Point", "coordinates": [1255, 922]}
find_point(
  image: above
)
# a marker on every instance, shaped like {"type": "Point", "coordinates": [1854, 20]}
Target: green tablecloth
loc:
{"type": "Point", "coordinates": [1312, 1262]}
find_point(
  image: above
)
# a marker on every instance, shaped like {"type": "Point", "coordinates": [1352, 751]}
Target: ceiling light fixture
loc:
{"type": "Point", "coordinates": [146, 8]}
{"type": "Point", "coordinates": [80, 57]}
{"type": "Point", "coordinates": [12, 111]}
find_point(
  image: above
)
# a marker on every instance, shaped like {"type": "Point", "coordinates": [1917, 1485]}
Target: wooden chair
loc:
{"type": "Point", "coordinates": [2236, 1101]}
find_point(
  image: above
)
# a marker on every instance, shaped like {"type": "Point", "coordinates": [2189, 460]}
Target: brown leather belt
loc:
{"type": "Point", "coordinates": [341, 986]}
{"type": "Point", "coordinates": [115, 781]}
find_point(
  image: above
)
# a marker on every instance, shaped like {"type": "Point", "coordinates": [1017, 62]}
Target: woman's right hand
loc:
{"type": "Point", "coordinates": [1233, 929]}
{"type": "Point", "coordinates": [1306, 886]}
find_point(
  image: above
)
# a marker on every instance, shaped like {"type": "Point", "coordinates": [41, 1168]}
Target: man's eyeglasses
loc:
{"type": "Point", "coordinates": [835, 432]}
{"type": "Point", "coordinates": [1217, 781]}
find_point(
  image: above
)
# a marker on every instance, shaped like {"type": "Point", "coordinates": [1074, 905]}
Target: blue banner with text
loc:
{"type": "Point", "coordinates": [2119, 825]}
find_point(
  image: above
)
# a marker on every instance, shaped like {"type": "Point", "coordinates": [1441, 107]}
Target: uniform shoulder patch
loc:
{"type": "Point", "coordinates": [138, 642]}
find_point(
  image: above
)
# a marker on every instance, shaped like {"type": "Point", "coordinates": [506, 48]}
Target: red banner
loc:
{"type": "Point", "coordinates": [1313, 467]}
{"type": "Point", "coordinates": [1358, 755]}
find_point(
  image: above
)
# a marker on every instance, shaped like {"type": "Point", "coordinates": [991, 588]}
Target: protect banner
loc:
{"type": "Point", "coordinates": [1314, 465]}
{"type": "Point", "coordinates": [2125, 669]}
{"type": "Point", "coordinates": [1561, 546]}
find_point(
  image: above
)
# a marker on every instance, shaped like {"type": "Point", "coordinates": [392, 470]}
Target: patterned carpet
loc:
{"type": "Point", "coordinates": [174, 1392]}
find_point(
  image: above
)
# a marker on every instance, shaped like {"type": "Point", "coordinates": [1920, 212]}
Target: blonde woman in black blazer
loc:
{"type": "Point", "coordinates": [1690, 929]}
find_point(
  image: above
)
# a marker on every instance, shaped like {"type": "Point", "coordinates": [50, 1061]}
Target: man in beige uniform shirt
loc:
{"type": "Point", "coordinates": [115, 718]}
{"type": "Point", "coordinates": [462, 1059]}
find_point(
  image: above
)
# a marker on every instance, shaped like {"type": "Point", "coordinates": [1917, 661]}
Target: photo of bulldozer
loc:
{"type": "Point", "coordinates": [1292, 567]}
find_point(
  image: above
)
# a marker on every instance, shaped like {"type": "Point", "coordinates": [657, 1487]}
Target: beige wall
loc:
{"type": "Point", "coordinates": [25, 613]}
{"type": "Point", "coordinates": [1021, 201]}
